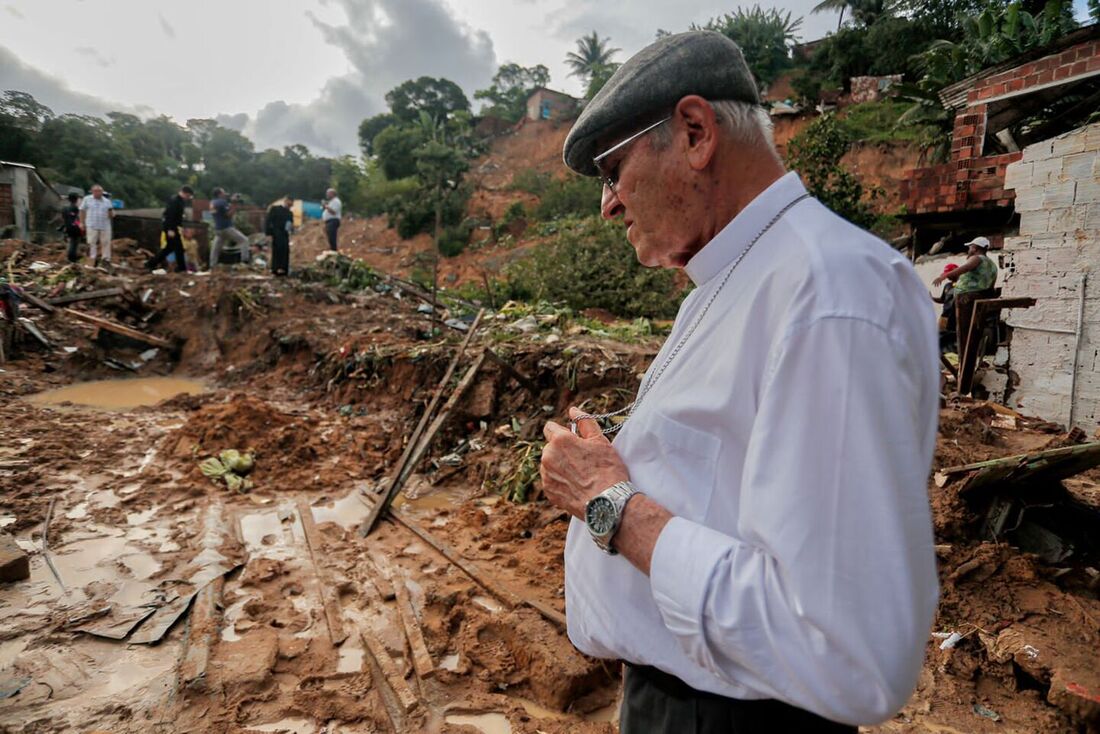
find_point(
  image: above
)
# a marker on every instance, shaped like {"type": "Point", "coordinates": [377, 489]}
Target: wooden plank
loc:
{"type": "Point", "coordinates": [86, 296]}
{"type": "Point", "coordinates": [329, 602]}
{"type": "Point", "coordinates": [969, 356]}
{"type": "Point", "coordinates": [202, 634]}
{"type": "Point", "coordinates": [1019, 458]}
{"type": "Point", "coordinates": [418, 453]}
{"type": "Point", "coordinates": [414, 440]}
{"type": "Point", "coordinates": [406, 699]}
{"type": "Point", "coordinates": [28, 326]}
{"type": "Point", "coordinates": [422, 659]}
{"type": "Point", "coordinates": [118, 328]}
{"type": "Point", "coordinates": [471, 569]}
{"type": "Point", "coordinates": [37, 302]}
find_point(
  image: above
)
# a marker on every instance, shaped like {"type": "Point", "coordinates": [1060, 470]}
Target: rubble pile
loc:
{"type": "Point", "coordinates": [160, 598]}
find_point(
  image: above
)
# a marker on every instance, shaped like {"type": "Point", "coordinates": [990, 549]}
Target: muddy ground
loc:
{"type": "Point", "coordinates": [266, 611]}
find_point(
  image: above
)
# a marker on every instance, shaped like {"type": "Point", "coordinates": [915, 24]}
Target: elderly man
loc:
{"type": "Point", "coordinates": [333, 210]}
{"type": "Point", "coordinates": [96, 213]}
{"type": "Point", "coordinates": [757, 544]}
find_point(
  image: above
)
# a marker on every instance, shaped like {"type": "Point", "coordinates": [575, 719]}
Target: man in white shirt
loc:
{"type": "Point", "coordinates": [96, 213]}
{"type": "Point", "coordinates": [333, 209]}
{"type": "Point", "coordinates": [766, 497]}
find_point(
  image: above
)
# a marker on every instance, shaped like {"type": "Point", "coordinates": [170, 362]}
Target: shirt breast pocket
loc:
{"type": "Point", "coordinates": [683, 466]}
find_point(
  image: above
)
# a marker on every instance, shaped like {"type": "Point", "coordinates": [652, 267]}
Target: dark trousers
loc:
{"type": "Point", "coordinates": [172, 244]}
{"type": "Point", "coordinates": [280, 253]}
{"type": "Point", "coordinates": [74, 246]}
{"type": "Point", "coordinates": [331, 226]}
{"type": "Point", "coordinates": [655, 702]}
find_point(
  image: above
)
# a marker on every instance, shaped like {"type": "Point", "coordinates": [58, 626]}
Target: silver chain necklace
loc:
{"type": "Point", "coordinates": [629, 410]}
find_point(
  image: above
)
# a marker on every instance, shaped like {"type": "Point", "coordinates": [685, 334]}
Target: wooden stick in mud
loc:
{"type": "Point", "coordinates": [46, 545]}
{"type": "Point", "coordinates": [38, 302]}
{"type": "Point", "coordinates": [518, 376]}
{"type": "Point", "coordinates": [405, 696]}
{"type": "Point", "coordinates": [471, 569]}
{"type": "Point", "coordinates": [118, 328]}
{"type": "Point", "coordinates": [405, 464]}
{"type": "Point", "coordinates": [421, 658]}
{"type": "Point", "coordinates": [328, 594]}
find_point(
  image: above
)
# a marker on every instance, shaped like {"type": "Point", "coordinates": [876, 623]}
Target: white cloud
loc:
{"type": "Point", "coordinates": [95, 56]}
{"type": "Point", "coordinates": [385, 42]}
{"type": "Point", "coordinates": [166, 26]}
{"type": "Point", "coordinates": [49, 90]}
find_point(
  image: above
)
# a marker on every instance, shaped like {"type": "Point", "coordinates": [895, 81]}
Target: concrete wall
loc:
{"type": "Point", "coordinates": [1057, 185]}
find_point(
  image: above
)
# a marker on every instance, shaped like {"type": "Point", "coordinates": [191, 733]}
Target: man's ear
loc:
{"type": "Point", "coordinates": [696, 116]}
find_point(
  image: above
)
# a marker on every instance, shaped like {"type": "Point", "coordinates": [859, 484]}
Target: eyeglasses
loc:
{"type": "Point", "coordinates": [611, 178]}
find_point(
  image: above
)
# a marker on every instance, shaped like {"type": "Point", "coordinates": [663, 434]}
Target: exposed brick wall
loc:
{"type": "Point", "coordinates": [974, 181]}
{"type": "Point", "coordinates": [1057, 185]}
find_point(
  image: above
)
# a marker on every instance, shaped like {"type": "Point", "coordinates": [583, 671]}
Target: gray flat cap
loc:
{"type": "Point", "coordinates": [654, 79]}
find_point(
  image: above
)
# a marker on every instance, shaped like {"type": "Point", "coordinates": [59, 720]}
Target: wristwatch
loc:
{"type": "Point", "coordinates": [604, 512]}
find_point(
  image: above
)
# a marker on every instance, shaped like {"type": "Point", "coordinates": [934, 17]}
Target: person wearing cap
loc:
{"type": "Point", "coordinates": [756, 545]}
{"type": "Point", "coordinates": [973, 279]}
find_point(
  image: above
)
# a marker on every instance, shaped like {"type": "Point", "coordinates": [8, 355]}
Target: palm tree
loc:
{"type": "Point", "coordinates": [865, 12]}
{"type": "Point", "coordinates": [591, 55]}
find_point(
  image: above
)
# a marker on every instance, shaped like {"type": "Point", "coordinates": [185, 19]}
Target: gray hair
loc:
{"type": "Point", "coordinates": [744, 123]}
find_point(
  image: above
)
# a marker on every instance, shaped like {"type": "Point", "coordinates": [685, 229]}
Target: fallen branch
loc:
{"type": "Point", "coordinates": [46, 545]}
{"type": "Point", "coordinates": [421, 658]}
{"type": "Point", "coordinates": [37, 302]}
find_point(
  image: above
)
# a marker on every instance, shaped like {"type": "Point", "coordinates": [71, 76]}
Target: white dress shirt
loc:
{"type": "Point", "coordinates": [335, 209]}
{"type": "Point", "coordinates": [98, 216]}
{"type": "Point", "coordinates": [792, 439]}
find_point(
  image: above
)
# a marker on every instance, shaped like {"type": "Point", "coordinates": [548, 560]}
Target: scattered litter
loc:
{"type": "Point", "coordinates": [1030, 651]}
{"type": "Point", "coordinates": [148, 354]}
{"type": "Point", "coordinates": [457, 324]}
{"type": "Point", "coordinates": [951, 640]}
{"type": "Point", "coordinates": [525, 325]}
{"type": "Point", "coordinates": [987, 713]}
{"type": "Point", "coordinates": [424, 308]}
{"type": "Point", "coordinates": [38, 266]}
{"type": "Point", "coordinates": [160, 271]}
{"type": "Point", "coordinates": [12, 687]}
{"type": "Point", "coordinates": [69, 350]}
{"type": "Point", "coordinates": [185, 294]}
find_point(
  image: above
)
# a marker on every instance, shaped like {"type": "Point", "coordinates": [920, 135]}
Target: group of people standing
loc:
{"type": "Point", "coordinates": [278, 225]}
{"type": "Point", "coordinates": [88, 219]}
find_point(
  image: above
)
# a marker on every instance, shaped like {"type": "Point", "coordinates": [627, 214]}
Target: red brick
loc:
{"type": "Point", "coordinates": [1045, 77]}
{"type": "Point", "coordinates": [1079, 67]}
{"type": "Point", "coordinates": [962, 131]}
{"type": "Point", "coordinates": [1093, 64]}
{"type": "Point", "coordinates": [1015, 85]}
{"type": "Point", "coordinates": [1062, 72]}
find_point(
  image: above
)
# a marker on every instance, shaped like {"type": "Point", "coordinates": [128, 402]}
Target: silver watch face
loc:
{"type": "Point", "coordinates": [600, 515]}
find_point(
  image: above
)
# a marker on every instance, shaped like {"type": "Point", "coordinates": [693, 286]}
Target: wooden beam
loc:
{"type": "Point", "coordinates": [37, 302]}
{"type": "Point", "coordinates": [86, 296]}
{"type": "Point", "coordinates": [202, 633]}
{"type": "Point", "coordinates": [1021, 458]}
{"type": "Point", "coordinates": [406, 699]}
{"type": "Point", "coordinates": [414, 440]}
{"type": "Point", "coordinates": [118, 328]}
{"type": "Point", "coordinates": [328, 593]}
{"type": "Point", "coordinates": [421, 448]}
{"type": "Point", "coordinates": [471, 569]}
{"type": "Point", "coordinates": [422, 659]}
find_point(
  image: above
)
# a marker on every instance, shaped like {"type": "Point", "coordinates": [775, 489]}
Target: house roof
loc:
{"type": "Point", "coordinates": [536, 90]}
{"type": "Point", "coordinates": [954, 96]}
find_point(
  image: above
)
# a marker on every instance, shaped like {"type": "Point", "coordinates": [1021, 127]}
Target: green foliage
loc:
{"type": "Point", "coordinates": [370, 127]}
{"type": "Point", "coordinates": [572, 196]}
{"type": "Point", "coordinates": [1094, 10]}
{"type": "Point", "coordinates": [453, 240]}
{"type": "Point", "coordinates": [877, 122]}
{"type": "Point", "coordinates": [815, 153]}
{"type": "Point", "coordinates": [440, 98]}
{"type": "Point", "coordinates": [590, 264]}
{"type": "Point", "coordinates": [765, 37]}
{"type": "Point", "coordinates": [416, 213]}
{"type": "Point", "coordinates": [512, 85]}
{"type": "Point", "coordinates": [865, 12]}
{"type": "Point", "coordinates": [598, 76]}
{"type": "Point", "coordinates": [531, 181]}
{"type": "Point", "coordinates": [395, 147]}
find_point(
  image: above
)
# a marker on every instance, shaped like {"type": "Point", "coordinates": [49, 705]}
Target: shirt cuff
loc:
{"type": "Point", "coordinates": [683, 561]}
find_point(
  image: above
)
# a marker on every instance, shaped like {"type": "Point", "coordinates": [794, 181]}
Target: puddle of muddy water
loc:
{"type": "Point", "coordinates": [487, 723]}
{"type": "Point", "coordinates": [286, 726]}
{"type": "Point", "coordinates": [119, 394]}
{"type": "Point", "coordinates": [449, 662]}
{"type": "Point", "coordinates": [348, 512]}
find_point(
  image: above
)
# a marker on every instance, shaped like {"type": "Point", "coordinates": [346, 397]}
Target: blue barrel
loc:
{"type": "Point", "coordinates": [311, 209]}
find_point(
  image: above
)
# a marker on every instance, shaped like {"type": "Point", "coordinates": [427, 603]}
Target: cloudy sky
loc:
{"type": "Point", "coordinates": [307, 71]}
